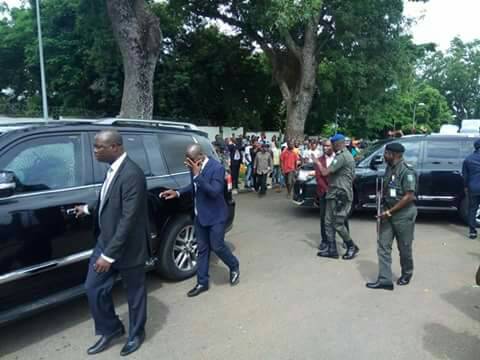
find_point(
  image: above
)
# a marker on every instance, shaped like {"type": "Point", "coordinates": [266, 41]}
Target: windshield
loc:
{"type": "Point", "coordinates": [370, 150]}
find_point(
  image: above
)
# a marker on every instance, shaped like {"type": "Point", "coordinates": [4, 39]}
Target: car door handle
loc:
{"type": "Point", "coordinates": [70, 211]}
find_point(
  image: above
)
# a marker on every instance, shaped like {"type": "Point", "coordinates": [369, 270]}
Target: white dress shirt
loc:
{"type": "Point", "coordinates": [112, 171]}
{"type": "Point", "coordinates": [329, 159]}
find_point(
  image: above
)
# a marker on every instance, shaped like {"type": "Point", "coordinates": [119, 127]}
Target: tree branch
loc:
{"type": "Point", "coordinates": [292, 45]}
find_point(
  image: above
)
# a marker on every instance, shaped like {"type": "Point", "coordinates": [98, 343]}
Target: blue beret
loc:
{"type": "Point", "coordinates": [476, 144]}
{"type": "Point", "coordinates": [337, 137]}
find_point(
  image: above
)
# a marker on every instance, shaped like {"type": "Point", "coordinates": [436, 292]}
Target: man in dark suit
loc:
{"type": "Point", "coordinates": [121, 230]}
{"type": "Point", "coordinates": [210, 209]}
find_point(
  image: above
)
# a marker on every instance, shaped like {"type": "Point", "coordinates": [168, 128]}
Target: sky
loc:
{"type": "Point", "coordinates": [437, 21]}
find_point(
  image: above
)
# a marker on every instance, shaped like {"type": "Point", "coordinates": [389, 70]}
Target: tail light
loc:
{"type": "Point", "coordinates": [228, 179]}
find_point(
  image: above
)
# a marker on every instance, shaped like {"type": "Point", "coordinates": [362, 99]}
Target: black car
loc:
{"type": "Point", "coordinates": [48, 168]}
{"type": "Point", "coordinates": [437, 159]}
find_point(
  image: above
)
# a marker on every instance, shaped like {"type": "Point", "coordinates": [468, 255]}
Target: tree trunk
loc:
{"type": "Point", "coordinates": [298, 82]}
{"type": "Point", "coordinates": [139, 37]}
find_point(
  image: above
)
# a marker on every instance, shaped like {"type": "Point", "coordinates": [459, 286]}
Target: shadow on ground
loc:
{"type": "Point", "coordinates": [43, 325]}
{"type": "Point", "coordinates": [466, 299]}
{"type": "Point", "coordinates": [444, 343]}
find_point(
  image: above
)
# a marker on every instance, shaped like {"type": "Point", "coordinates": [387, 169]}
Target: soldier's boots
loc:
{"type": "Point", "coordinates": [352, 251]}
{"type": "Point", "coordinates": [330, 251]}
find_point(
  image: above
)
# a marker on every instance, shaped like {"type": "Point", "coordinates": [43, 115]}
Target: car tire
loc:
{"type": "Point", "coordinates": [463, 212]}
{"type": "Point", "coordinates": [177, 255]}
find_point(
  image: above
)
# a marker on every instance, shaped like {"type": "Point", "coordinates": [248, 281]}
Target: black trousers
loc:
{"type": "Point", "coordinates": [262, 183]}
{"type": "Point", "coordinates": [212, 238]}
{"type": "Point", "coordinates": [235, 169]}
{"type": "Point", "coordinates": [99, 292]}
{"type": "Point", "coordinates": [473, 203]}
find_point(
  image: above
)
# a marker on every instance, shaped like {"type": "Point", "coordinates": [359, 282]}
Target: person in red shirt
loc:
{"type": "Point", "coordinates": [322, 186]}
{"type": "Point", "coordinates": [289, 160]}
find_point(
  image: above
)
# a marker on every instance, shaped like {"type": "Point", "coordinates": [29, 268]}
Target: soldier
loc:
{"type": "Point", "coordinates": [397, 218]}
{"type": "Point", "coordinates": [339, 199]}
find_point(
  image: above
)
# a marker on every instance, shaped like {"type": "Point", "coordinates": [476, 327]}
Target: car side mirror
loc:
{"type": "Point", "coordinates": [7, 183]}
{"type": "Point", "coordinates": [376, 161]}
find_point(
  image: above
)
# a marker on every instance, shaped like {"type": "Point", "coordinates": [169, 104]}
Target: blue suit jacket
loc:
{"type": "Point", "coordinates": [209, 196]}
{"type": "Point", "coordinates": [471, 173]}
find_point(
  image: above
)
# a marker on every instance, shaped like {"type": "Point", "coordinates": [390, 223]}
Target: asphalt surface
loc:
{"type": "Point", "coordinates": [291, 304]}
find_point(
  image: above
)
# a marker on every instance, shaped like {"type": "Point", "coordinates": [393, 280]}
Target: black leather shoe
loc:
{"type": "Point", "coordinates": [197, 290]}
{"type": "Point", "coordinates": [133, 345]}
{"type": "Point", "coordinates": [379, 285]}
{"type": "Point", "coordinates": [234, 277]}
{"type": "Point", "coordinates": [352, 251]}
{"type": "Point", "coordinates": [328, 254]}
{"type": "Point", "coordinates": [404, 280]}
{"type": "Point", "coordinates": [104, 342]}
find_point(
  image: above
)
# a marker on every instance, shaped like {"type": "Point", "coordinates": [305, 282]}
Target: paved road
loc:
{"type": "Point", "coordinates": [291, 304]}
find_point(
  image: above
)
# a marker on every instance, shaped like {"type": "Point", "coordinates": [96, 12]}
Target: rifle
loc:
{"type": "Point", "coordinates": [379, 195]}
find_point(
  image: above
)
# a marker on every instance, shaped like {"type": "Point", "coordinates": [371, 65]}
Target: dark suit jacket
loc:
{"type": "Point", "coordinates": [121, 225]}
{"type": "Point", "coordinates": [209, 198]}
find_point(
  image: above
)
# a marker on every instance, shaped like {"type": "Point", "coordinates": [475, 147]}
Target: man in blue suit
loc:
{"type": "Point", "coordinates": [210, 208]}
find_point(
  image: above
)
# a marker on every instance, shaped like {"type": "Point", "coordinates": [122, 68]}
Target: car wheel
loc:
{"type": "Point", "coordinates": [463, 211]}
{"type": "Point", "coordinates": [178, 253]}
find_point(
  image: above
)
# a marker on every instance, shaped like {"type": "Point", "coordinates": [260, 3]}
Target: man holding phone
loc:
{"type": "Point", "coordinates": [211, 212]}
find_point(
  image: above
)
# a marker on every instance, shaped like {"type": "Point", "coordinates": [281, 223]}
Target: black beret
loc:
{"type": "Point", "coordinates": [476, 144]}
{"type": "Point", "coordinates": [395, 147]}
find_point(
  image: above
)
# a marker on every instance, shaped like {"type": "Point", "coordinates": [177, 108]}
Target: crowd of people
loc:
{"type": "Point", "coordinates": [270, 163]}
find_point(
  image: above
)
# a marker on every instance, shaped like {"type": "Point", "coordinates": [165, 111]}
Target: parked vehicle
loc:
{"type": "Point", "coordinates": [437, 159]}
{"type": "Point", "coordinates": [48, 168]}
{"type": "Point", "coordinates": [470, 126]}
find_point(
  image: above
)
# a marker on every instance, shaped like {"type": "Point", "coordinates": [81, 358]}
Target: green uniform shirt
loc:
{"type": "Point", "coordinates": [342, 172]}
{"type": "Point", "coordinates": [398, 180]}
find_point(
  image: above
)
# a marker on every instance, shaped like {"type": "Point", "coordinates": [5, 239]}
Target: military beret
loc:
{"type": "Point", "coordinates": [337, 137]}
{"type": "Point", "coordinates": [476, 144]}
{"type": "Point", "coordinates": [395, 147]}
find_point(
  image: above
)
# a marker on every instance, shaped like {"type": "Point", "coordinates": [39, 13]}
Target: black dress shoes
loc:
{"type": "Point", "coordinates": [404, 280]}
{"type": "Point", "coordinates": [352, 251]}
{"type": "Point", "coordinates": [104, 342]}
{"type": "Point", "coordinates": [328, 254]}
{"type": "Point", "coordinates": [133, 345]}
{"type": "Point", "coordinates": [379, 285]}
{"type": "Point", "coordinates": [197, 290]}
{"type": "Point", "coordinates": [234, 277]}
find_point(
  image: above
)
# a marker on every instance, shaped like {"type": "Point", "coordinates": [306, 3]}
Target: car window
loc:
{"type": "Point", "coordinates": [467, 148]}
{"type": "Point", "coordinates": [135, 149]}
{"type": "Point", "coordinates": [48, 163]}
{"type": "Point", "coordinates": [174, 147]}
{"type": "Point", "coordinates": [155, 159]}
{"type": "Point", "coordinates": [443, 151]}
{"type": "Point", "coordinates": [207, 147]}
{"type": "Point", "coordinates": [412, 151]}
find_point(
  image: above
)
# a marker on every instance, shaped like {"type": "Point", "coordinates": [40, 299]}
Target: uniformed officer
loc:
{"type": "Point", "coordinates": [339, 199]}
{"type": "Point", "coordinates": [397, 218]}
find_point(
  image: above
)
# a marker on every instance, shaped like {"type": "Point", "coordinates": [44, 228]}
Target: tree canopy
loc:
{"type": "Point", "coordinates": [367, 76]}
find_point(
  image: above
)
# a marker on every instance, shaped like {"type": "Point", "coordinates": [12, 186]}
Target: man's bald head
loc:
{"type": "Point", "coordinates": [108, 146]}
{"type": "Point", "coordinates": [111, 137]}
{"type": "Point", "coordinates": [195, 152]}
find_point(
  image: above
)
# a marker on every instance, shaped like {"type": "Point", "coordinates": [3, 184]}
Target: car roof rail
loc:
{"type": "Point", "coordinates": [154, 123]}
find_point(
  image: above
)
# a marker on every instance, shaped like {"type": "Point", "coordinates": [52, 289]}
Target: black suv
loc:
{"type": "Point", "coordinates": [47, 168]}
{"type": "Point", "coordinates": [437, 159]}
